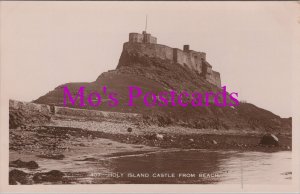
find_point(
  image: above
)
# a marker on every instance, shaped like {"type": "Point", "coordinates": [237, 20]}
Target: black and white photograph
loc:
{"type": "Point", "coordinates": [195, 93]}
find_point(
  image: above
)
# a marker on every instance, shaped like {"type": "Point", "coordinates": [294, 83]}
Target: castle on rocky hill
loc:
{"type": "Point", "coordinates": [147, 45]}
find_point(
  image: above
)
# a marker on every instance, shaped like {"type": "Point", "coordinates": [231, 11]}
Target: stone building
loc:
{"type": "Point", "coordinates": [147, 45]}
{"type": "Point", "coordinates": [142, 38]}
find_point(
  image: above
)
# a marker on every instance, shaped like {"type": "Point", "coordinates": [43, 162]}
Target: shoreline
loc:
{"type": "Point", "coordinates": [64, 147]}
{"type": "Point", "coordinates": [236, 142]}
{"type": "Point", "coordinates": [57, 151]}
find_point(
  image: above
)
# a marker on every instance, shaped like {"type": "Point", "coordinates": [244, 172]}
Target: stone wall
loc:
{"type": "Point", "coordinates": [94, 113]}
{"type": "Point", "coordinates": [66, 111]}
{"type": "Point", "coordinates": [150, 50]}
{"type": "Point", "coordinates": [153, 40]}
{"type": "Point", "coordinates": [135, 37]}
{"type": "Point", "coordinates": [190, 59]}
{"type": "Point", "coordinates": [216, 78]}
{"type": "Point", "coordinates": [142, 38]}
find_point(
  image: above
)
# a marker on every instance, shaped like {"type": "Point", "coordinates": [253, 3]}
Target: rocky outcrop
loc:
{"type": "Point", "coordinates": [22, 164]}
{"type": "Point", "coordinates": [155, 74]}
{"type": "Point", "coordinates": [269, 140]}
{"type": "Point", "coordinates": [51, 176]}
{"type": "Point", "coordinates": [17, 177]}
{"type": "Point", "coordinates": [23, 113]}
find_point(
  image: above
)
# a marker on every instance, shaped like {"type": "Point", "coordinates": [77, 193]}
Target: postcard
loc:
{"type": "Point", "coordinates": [147, 97]}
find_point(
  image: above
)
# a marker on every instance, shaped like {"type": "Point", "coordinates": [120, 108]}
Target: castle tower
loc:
{"type": "Point", "coordinates": [142, 38]}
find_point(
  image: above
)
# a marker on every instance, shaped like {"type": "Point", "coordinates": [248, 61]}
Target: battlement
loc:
{"type": "Point", "coordinates": [142, 38]}
{"type": "Point", "coordinates": [145, 44]}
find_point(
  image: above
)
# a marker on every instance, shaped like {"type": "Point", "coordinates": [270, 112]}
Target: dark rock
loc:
{"type": "Point", "coordinates": [52, 156]}
{"type": "Point", "coordinates": [14, 122]}
{"type": "Point", "coordinates": [155, 136]}
{"type": "Point", "coordinates": [17, 177]}
{"type": "Point", "coordinates": [88, 159]}
{"type": "Point", "coordinates": [51, 176]}
{"type": "Point", "coordinates": [150, 136]}
{"type": "Point", "coordinates": [270, 140]}
{"type": "Point", "coordinates": [22, 116]}
{"type": "Point", "coordinates": [21, 164]}
{"type": "Point", "coordinates": [129, 129]}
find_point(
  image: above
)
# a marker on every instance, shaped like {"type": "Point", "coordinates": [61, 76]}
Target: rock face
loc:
{"type": "Point", "coordinates": [155, 74]}
{"type": "Point", "coordinates": [22, 113]}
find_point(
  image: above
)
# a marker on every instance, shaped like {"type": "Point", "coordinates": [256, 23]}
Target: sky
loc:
{"type": "Point", "coordinates": [252, 44]}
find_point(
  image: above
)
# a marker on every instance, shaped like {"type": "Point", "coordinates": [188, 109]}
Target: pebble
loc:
{"type": "Point", "coordinates": [214, 142]}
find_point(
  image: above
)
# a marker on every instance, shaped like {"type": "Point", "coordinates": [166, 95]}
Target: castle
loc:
{"type": "Point", "coordinates": [147, 45]}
